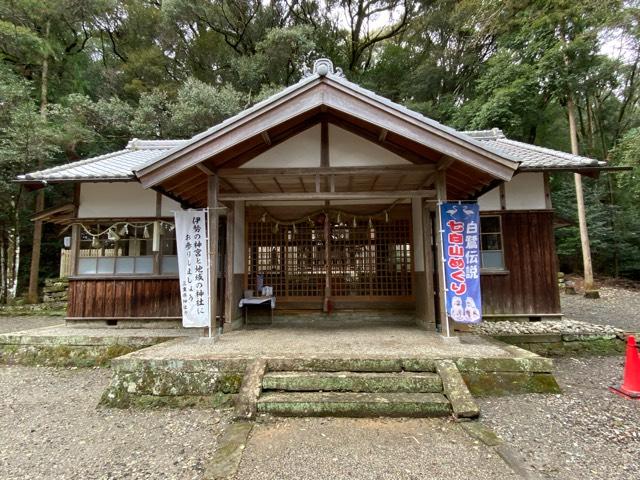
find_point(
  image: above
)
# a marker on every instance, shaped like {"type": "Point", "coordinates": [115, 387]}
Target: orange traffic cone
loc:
{"type": "Point", "coordinates": [630, 387]}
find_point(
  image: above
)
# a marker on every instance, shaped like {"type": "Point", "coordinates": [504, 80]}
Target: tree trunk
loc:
{"type": "Point", "coordinates": [32, 296]}
{"type": "Point", "coordinates": [582, 218]}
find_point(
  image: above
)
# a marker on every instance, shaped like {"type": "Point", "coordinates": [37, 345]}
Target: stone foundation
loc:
{"type": "Point", "coordinates": [56, 290]}
{"type": "Point", "coordinates": [173, 384]}
{"type": "Point", "coordinates": [560, 345]}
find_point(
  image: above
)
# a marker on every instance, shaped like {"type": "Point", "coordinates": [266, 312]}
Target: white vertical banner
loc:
{"type": "Point", "coordinates": [193, 266]}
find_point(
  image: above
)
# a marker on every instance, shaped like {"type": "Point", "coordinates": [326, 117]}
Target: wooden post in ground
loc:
{"type": "Point", "coordinates": [441, 195]}
{"type": "Point", "coordinates": [229, 298]}
{"type": "Point", "coordinates": [427, 234]}
{"type": "Point", "coordinates": [213, 220]}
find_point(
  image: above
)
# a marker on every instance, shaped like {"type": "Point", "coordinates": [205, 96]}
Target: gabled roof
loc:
{"type": "Point", "coordinates": [533, 157]}
{"type": "Point", "coordinates": [120, 165]}
{"type": "Point", "coordinates": [489, 152]}
{"type": "Point", "coordinates": [327, 92]}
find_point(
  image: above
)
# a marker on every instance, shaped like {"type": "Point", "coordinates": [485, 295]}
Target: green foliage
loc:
{"type": "Point", "coordinates": [199, 106]}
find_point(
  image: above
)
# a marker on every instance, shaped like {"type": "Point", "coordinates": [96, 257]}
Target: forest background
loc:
{"type": "Point", "coordinates": [80, 78]}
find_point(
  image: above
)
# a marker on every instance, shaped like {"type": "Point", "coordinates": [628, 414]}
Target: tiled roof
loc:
{"type": "Point", "coordinates": [120, 165]}
{"type": "Point", "coordinates": [116, 166]}
{"type": "Point", "coordinates": [339, 78]}
{"type": "Point", "coordinates": [533, 157]}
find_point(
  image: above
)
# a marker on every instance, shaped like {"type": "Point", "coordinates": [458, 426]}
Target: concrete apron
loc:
{"type": "Point", "coordinates": [196, 372]}
{"type": "Point", "coordinates": [155, 368]}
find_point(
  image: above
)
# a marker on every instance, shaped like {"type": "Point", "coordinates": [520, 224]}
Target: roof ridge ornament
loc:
{"type": "Point", "coordinates": [323, 67]}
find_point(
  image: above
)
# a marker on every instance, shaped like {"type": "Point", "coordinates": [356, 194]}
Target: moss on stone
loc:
{"type": "Point", "coordinates": [572, 346]}
{"type": "Point", "coordinates": [483, 384]}
{"type": "Point", "coordinates": [230, 382]}
{"type": "Point", "coordinates": [311, 364]}
{"type": "Point", "coordinates": [363, 407]}
{"type": "Point", "coordinates": [60, 355]}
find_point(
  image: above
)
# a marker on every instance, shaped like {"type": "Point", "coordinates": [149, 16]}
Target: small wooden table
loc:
{"type": "Point", "coordinates": [245, 302]}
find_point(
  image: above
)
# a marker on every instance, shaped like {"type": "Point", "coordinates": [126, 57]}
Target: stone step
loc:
{"type": "Point", "coordinates": [392, 382]}
{"type": "Point", "coordinates": [349, 404]}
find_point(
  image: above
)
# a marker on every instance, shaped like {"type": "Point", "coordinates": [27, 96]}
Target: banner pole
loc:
{"type": "Point", "coordinates": [207, 213]}
{"type": "Point", "coordinates": [443, 278]}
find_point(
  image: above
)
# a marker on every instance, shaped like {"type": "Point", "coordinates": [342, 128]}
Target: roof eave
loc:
{"type": "Point", "coordinates": [37, 183]}
{"type": "Point", "coordinates": [581, 169]}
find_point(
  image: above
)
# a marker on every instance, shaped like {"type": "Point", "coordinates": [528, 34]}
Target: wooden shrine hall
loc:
{"type": "Point", "coordinates": [326, 192]}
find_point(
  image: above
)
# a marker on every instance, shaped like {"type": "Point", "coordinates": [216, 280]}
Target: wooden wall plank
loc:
{"type": "Point", "coordinates": [124, 298]}
{"type": "Point", "coordinates": [530, 286]}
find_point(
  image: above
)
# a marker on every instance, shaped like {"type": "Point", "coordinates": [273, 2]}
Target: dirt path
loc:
{"type": "Point", "coordinates": [403, 449]}
{"type": "Point", "coordinates": [50, 428]}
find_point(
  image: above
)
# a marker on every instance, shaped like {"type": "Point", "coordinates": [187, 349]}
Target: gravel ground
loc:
{"type": "Point", "coordinates": [16, 324]}
{"type": "Point", "coordinates": [587, 432]}
{"type": "Point", "coordinates": [319, 449]}
{"type": "Point", "coordinates": [619, 307]}
{"type": "Point", "coordinates": [50, 428]}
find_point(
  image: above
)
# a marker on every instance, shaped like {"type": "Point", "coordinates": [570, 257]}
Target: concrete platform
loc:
{"type": "Point", "coordinates": [61, 345]}
{"type": "Point", "coordinates": [198, 371]}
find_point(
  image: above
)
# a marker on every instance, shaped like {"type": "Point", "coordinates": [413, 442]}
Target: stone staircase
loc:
{"type": "Point", "coordinates": [361, 393]}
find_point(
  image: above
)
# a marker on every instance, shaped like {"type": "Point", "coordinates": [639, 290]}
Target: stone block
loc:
{"type": "Point", "coordinates": [507, 383]}
{"type": "Point", "coordinates": [371, 382]}
{"type": "Point", "coordinates": [250, 389]}
{"type": "Point", "coordinates": [456, 390]}
{"type": "Point", "coordinates": [333, 404]}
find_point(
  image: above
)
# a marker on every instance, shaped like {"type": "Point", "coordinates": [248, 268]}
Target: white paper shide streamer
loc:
{"type": "Point", "coordinates": [193, 266]}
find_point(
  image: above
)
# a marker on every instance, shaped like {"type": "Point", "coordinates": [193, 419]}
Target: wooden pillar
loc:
{"type": "Point", "coordinates": [427, 235]}
{"type": "Point", "coordinates": [157, 241]}
{"type": "Point", "coordinates": [75, 232]}
{"type": "Point", "coordinates": [441, 195]}
{"type": "Point", "coordinates": [213, 216]}
{"type": "Point", "coordinates": [75, 249]}
{"type": "Point", "coordinates": [327, 262]}
{"type": "Point", "coordinates": [229, 298]}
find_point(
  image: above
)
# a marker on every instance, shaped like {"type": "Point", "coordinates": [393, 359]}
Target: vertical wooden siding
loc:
{"type": "Point", "coordinates": [124, 298]}
{"type": "Point", "coordinates": [531, 284]}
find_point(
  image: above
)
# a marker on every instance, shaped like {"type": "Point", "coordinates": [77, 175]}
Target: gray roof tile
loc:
{"type": "Point", "coordinates": [533, 157]}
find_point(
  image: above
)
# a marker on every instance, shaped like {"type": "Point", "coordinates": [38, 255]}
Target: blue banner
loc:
{"type": "Point", "coordinates": [461, 250]}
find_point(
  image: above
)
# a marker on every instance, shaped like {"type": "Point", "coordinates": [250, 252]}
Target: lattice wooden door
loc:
{"type": "Point", "coordinates": [368, 260]}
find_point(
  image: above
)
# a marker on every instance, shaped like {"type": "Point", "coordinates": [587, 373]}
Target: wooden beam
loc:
{"type": "Point", "coordinates": [327, 195]}
{"type": "Point", "coordinates": [203, 168]}
{"type": "Point", "coordinates": [213, 189]}
{"type": "Point", "coordinates": [230, 185]}
{"type": "Point", "coordinates": [445, 163]}
{"type": "Point", "coordinates": [298, 172]}
{"type": "Point", "coordinates": [253, 184]}
{"type": "Point", "coordinates": [503, 196]}
{"type": "Point", "coordinates": [324, 143]}
{"type": "Point", "coordinates": [275, 179]}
